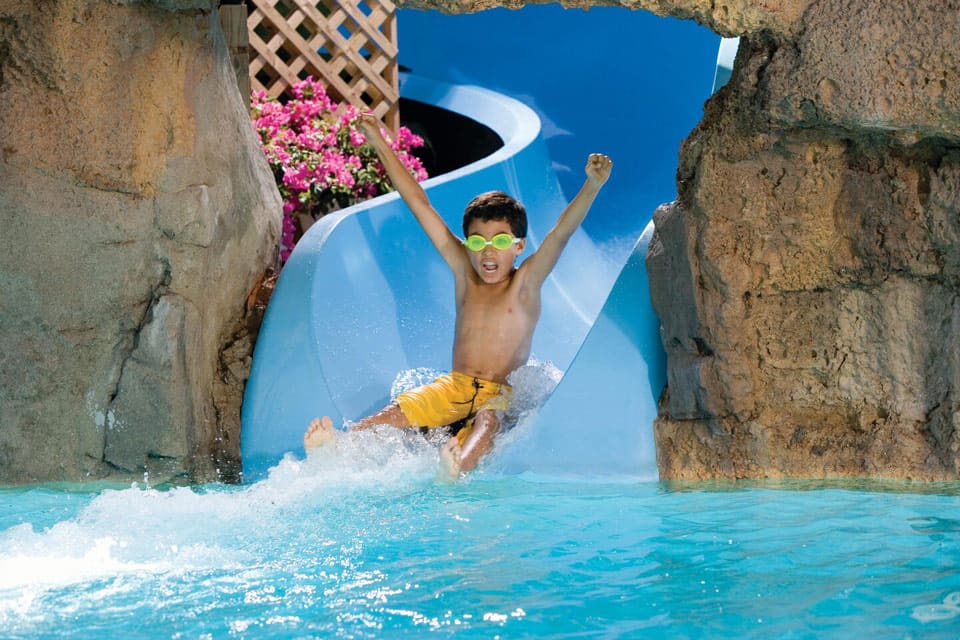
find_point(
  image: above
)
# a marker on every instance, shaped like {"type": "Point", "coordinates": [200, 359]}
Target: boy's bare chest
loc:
{"type": "Point", "coordinates": [490, 302]}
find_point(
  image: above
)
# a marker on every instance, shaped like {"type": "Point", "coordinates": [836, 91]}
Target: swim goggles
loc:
{"type": "Point", "coordinates": [501, 241]}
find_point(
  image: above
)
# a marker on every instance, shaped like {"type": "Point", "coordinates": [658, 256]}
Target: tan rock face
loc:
{"type": "Point", "coordinates": [137, 211]}
{"type": "Point", "coordinates": [814, 246]}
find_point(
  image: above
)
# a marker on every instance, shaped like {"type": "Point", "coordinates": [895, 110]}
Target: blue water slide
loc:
{"type": "Point", "coordinates": [365, 295]}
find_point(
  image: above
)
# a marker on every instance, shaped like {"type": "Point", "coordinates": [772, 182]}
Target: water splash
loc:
{"type": "Point", "coordinates": [140, 531]}
{"type": "Point", "coordinates": [532, 385]}
{"type": "Point", "coordinates": [412, 378]}
{"type": "Point", "coordinates": [127, 539]}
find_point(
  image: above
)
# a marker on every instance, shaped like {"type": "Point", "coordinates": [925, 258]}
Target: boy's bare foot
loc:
{"type": "Point", "coordinates": [319, 433]}
{"type": "Point", "coordinates": [449, 469]}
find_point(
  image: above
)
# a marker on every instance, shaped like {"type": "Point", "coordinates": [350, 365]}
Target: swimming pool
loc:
{"type": "Point", "coordinates": [362, 543]}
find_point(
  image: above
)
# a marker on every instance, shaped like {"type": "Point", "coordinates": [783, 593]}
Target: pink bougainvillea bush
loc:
{"type": "Point", "coordinates": [320, 160]}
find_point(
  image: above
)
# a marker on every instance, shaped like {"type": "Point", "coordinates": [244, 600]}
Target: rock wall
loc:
{"type": "Point", "coordinates": [807, 277]}
{"type": "Point", "coordinates": [136, 213]}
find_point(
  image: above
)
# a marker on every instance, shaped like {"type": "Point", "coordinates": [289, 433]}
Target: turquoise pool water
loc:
{"type": "Point", "coordinates": [361, 542]}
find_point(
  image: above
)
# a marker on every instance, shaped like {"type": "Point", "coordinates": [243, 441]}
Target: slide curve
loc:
{"type": "Point", "coordinates": [365, 296]}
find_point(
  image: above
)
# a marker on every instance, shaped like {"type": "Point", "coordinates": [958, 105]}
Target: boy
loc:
{"type": "Point", "coordinates": [497, 308]}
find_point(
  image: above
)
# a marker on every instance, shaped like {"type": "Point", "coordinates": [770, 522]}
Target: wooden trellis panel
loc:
{"type": "Point", "coordinates": [349, 45]}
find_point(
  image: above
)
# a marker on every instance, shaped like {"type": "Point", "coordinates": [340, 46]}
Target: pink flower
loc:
{"type": "Point", "coordinates": [297, 178]}
{"type": "Point", "coordinates": [318, 155]}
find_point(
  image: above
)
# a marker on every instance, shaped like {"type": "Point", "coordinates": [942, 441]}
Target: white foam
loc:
{"type": "Point", "coordinates": [140, 531]}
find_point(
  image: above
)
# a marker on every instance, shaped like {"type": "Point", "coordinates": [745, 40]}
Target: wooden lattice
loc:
{"type": "Point", "coordinates": [350, 45]}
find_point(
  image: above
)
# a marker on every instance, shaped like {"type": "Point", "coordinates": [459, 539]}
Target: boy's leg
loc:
{"type": "Point", "coordinates": [455, 458]}
{"type": "Point", "coordinates": [479, 443]}
{"type": "Point", "coordinates": [322, 431]}
{"type": "Point", "coordinates": [389, 415]}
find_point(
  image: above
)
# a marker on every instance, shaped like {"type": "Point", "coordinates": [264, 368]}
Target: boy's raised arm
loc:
{"type": "Point", "coordinates": [541, 263]}
{"type": "Point", "coordinates": [412, 193]}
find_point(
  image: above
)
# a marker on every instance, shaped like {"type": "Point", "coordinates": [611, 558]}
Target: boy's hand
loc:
{"type": "Point", "coordinates": [368, 125]}
{"type": "Point", "coordinates": [598, 168]}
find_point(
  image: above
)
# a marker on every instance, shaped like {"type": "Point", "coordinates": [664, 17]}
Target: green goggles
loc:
{"type": "Point", "coordinates": [501, 241]}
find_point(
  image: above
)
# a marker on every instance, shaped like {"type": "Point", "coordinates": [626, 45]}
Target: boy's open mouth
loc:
{"type": "Point", "coordinates": [489, 266]}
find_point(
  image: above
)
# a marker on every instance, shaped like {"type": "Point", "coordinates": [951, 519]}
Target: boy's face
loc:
{"type": "Point", "coordinates": [493, 265]}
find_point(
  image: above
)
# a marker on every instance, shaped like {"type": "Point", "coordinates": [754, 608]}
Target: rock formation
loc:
{"type": "Point", "coordinates": [137, 212]}
{"type": "Point", "coordinates": [807, 277]}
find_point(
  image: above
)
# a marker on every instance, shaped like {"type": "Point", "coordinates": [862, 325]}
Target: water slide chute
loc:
{"type": "Point", "coordinates": [365, 295]}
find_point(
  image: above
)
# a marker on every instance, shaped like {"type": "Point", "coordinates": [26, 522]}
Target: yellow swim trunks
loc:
{"type": "Point", "coordinates": [451, 398]}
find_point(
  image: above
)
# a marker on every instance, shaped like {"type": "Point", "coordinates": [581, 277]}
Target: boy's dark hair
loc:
{"type": "Point", "coordinates": [496, 205]}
